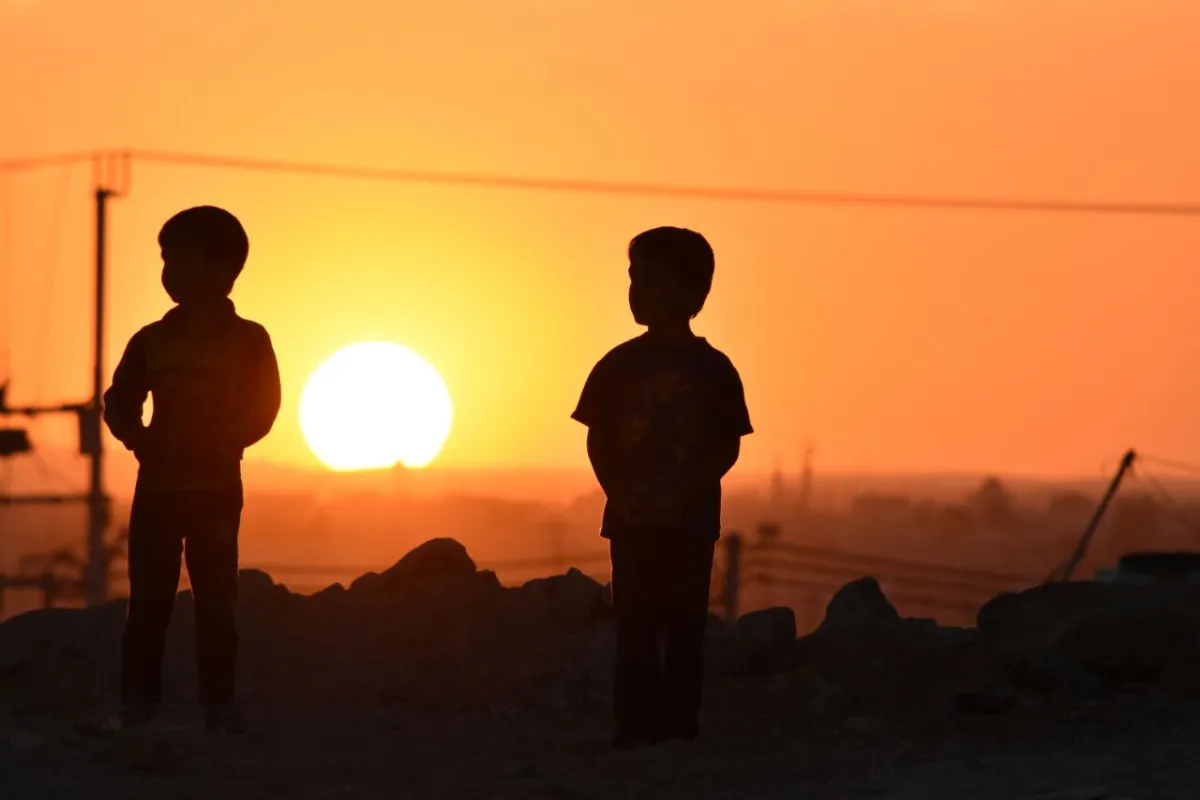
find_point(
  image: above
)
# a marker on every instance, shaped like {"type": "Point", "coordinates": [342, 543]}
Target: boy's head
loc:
{"type": "Point", "coordinates": [203, 252]}
{"type": "Point", "coordinates": [670, 275]}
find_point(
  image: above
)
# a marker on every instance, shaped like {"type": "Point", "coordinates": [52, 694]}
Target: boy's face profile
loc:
{"type": "Point", "coordinates": [189, 278]}
{"type": "Point", "coordinates": [656, 295]}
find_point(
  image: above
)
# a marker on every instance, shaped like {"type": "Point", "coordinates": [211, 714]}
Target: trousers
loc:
{"type": "Point", "coordinates": [200, 525]}
{"type": "Point", "coordinates": [660, 590]}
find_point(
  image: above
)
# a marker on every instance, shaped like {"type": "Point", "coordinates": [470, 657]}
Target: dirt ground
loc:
{"type": "Point", "coordinates": [433, 681]}
{"type": "Point", "coordinates": [758, 743]}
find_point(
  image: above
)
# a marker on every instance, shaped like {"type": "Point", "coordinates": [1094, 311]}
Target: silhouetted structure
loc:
{"type": "Point", "coordinates": [111, 171]}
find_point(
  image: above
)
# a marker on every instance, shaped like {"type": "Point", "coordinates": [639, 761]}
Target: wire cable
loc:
{"type": "Point", "coordinates": [903, 598]}
{"type": "Point", "coordinates": [1181, 516]}
{"type": "Point", "coordinates": [726, 194]}
{"type": "Point", "coordinates": [31, 163]}
{"type": "Point", "coordinates": [51, 474]}
{"type": "Point", "coordinates": [863, 560]}
{"type": "Point", "coordinates": [947, 583]}
{"type": "Point", "coordinates": [634, 188]}
{"type": "Point", "coordinates": [1168, 463]}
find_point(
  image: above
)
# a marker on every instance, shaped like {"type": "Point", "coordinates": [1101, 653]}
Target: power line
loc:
{"type": "Point", "coordinates": [727, 194]}
{"type": "Point", "coordinates": [629, 188]}
{"type": "Point", "coordinates": [1181, 466]}
{"type": "Point", "coordinates": [41, 162]}
{"type": "Point", "coordinates": [1181, 516]}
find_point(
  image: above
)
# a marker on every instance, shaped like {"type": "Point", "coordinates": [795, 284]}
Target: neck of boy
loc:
{"type": "Point", "coordinates": [670, 334]}
{"type": "Point", "coordinates": [203, 313]}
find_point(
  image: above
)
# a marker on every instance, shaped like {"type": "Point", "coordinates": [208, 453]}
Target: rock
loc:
{"type": "Point", "coordinates": [366, 583]}
{"type": "Point", "coordinates": [256, 583]}
{"type": "Point", "coordinates": [857, 608]}
{"type": "Point", "coordinates": [1123, 645]}
{"type": "Point", "coordinates": [1035, 609]}
{"type": "Point", "coordinates": [1085, 635]}
{"type": "Point", "coordinates": [573, 599]}
{"type": "Point", "coordinates": [820, 696]}
{"type": "Point", "coordinates": [721, 654]}
{"type": "Point", "coordinates": [768, 629]}
{"type": "Point", "coordinates": [763, 638]}
{"type": "Point", "coordinates": [435, 560]}
{"type": "Point", "coordinates": [488, 579]}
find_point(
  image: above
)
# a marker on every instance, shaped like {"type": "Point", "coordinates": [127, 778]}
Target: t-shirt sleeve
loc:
{"type": "Point", "coordinates": [732, 414]}
{"type": "Point", "coordinates": [595, 405]}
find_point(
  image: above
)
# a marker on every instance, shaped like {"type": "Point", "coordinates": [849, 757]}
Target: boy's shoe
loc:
{"type": "Point", "coordinates": [224, 718]}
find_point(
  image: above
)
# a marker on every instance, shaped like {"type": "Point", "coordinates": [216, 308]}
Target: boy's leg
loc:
{"type": "Point", "coordinates": [212, 561]}
{"type": "Point", "coordinates": [638, 677]}
{"type": "Point", "coordinates": [683, 647]}
{"type": "Point", "coordinates": [154, 550]}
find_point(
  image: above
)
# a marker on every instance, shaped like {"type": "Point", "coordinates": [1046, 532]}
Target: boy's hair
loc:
{"type": "Point", "coordinates": [211, 232]}
{"type": "Point", "coordinates": [687, 254]}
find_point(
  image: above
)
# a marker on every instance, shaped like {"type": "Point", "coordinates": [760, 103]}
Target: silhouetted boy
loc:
{"type": "Point", "coordinates": [214, 383]}
{"type": "Point", "coordinates": [665, 414]}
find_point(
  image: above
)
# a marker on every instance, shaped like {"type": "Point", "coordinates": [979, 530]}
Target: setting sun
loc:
{"type": "Point", "coordinates": [373, 405]}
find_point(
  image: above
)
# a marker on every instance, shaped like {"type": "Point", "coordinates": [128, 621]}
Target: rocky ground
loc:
{"type": "Point", "coordinates": [430, 680]}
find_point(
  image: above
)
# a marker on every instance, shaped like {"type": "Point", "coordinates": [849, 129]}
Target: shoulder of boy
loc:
{"type": "Point", "coordinates": [254, 331]}
{"type": "Point", "coordinates": [721, 361]}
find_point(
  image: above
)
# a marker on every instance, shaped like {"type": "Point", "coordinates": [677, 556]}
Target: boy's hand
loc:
{"type": "Point", "coordinates": [625, 508]}
{"type": "Point", "coordinates": [664, 510]}
{"type": "Point", "coordinates": [143, 445]}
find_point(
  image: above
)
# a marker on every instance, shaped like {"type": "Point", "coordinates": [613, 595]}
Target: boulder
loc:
{"type": "Point", "coordinates": [1084, 635]}
{"type": "Point", "coordinates": [765, 632]}
{"type": "Point", "coordinates": [856, 608]}
{"type": "Point", "coordinates": [721, 652]}
{"type": "Point", "coordinates": [574, 600]}
{"type": "Point", "coordinates": [435, 560]}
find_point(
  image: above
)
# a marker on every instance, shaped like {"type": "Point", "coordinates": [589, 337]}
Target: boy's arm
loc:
{"type": "Point", "coordinates": [263, 392]}
{"type": "Point", "coordinates": [595, 411]}
{"type": "Point", "coordinates": [602, 455]}
{"type": "Point", "coordinates": [733, 422]}
{"type": "Point", "coordinates": [126, 398]}
{"type": "Point", "coordinates": [709, 469]}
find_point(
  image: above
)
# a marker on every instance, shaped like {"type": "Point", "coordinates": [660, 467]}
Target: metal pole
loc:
{"type": "Point", "coordinates": [97, 566]}
{"type": "Point", "coordinates": [1081, 549]}
{"type": "Point", "coordinates": [733, 566]}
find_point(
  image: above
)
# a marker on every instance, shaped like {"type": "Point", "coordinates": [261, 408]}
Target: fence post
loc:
{"type": "Point", "coordinates": [733, 568]}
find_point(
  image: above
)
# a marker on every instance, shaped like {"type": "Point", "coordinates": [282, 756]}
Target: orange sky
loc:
{"type": "Point", "coordinates": [892, 339]}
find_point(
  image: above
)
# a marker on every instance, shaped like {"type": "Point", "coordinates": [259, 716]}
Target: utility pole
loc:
{"type": "Point", "coordinates": [110, 177]}
{"type": "Point", "coordinates": [806, 481]}
{"type": "Point", "coordinates": [1068, 569]}
{"type": "Point", "coordinates": [90, 433]}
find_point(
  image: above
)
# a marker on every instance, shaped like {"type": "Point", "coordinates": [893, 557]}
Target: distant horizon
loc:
{"type": "Point", "coordinates": [523, 482]}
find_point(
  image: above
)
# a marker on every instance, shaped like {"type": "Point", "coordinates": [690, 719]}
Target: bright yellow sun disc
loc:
{"type": "Point", "coordinates": [373, 405]}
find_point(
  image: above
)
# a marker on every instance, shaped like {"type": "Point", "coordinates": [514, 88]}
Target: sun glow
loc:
{"type": "Point", "coordinates": [374, 405]}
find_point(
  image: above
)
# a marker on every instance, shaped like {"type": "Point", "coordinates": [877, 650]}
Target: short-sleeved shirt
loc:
{"type": "Point", "coordinates": [662, 408]}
